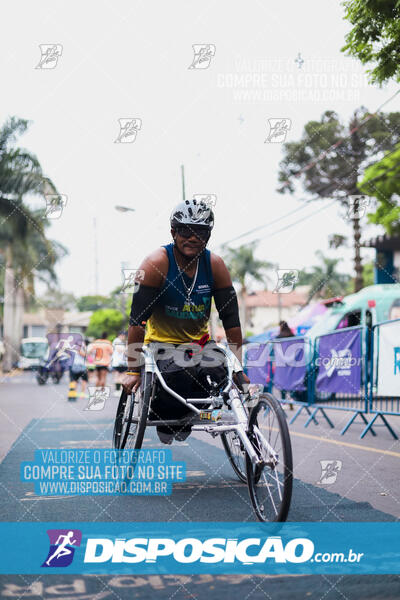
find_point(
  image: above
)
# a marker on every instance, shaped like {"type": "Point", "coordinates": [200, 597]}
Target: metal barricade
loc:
{"type": "Point", "coordinates": [291, 365]}
{"type": "Point", "coordinates": [384, 368]}
{"type": "Point", "coordinates": [340, 374]}
{"type": "Point", "coordinates": [354, 369]}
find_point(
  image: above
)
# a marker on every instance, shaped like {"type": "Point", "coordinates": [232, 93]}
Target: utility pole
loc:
{"type": "Point", "coordinates": [183, 183]}
{"type": "Point", "coordinates": [358, 155]}
{"type": "Point", "coordinates": [96, 259]}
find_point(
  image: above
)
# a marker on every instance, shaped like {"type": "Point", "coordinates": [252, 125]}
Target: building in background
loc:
{"type": "Point", "coordinates": [45, 321]}
{"type": "Point", "coordinates": [264, 310]}
{"type": "Point", "coordinates": [387, 258]}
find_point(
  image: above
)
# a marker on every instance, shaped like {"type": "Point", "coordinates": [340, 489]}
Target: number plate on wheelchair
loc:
{"type": "Point", "coordinates": [210, 415]}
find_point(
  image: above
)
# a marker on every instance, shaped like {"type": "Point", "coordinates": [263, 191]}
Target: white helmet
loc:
{"type": "Point", "coordinates": [192, 212]}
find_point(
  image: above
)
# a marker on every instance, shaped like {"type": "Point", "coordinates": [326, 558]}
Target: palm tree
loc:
{"type": "Point", "coordinates": [243, 266]}
{"type": "Point", "coordinates": [20, 174]}
{"type": "Point", "coordinates": [324, 279]}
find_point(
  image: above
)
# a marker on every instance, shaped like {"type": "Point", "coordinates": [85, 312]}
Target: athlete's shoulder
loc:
{"type": "Point", "coordinates": [220, 271]}
{"type": "Point", "coordinates": [155, 267]}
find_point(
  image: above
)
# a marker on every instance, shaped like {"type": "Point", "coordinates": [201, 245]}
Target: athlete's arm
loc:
{"type": "Point", "coordinates": [155, 268]}
{"type": "Point", "coordinates": [227, 305]}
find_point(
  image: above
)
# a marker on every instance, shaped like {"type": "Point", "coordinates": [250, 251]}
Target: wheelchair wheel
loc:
{"type": "Point", "coordinates": [270, 484]}
{"type": "Point", "coordinates": [122, 420]}
{"type": "Point", "coordinates": [137, 414]}
{"type": "Point", "coordinates": [236, 453]}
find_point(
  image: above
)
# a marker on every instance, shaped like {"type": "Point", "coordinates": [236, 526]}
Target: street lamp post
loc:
{"type": "Point", "coordinates": [124, 264]}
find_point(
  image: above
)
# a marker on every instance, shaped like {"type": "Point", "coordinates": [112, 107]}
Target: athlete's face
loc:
{"type": "Point", "coordinates": [190, 241]}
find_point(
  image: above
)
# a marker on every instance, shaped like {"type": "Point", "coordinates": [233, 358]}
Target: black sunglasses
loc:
{"type": "Point", "coordinates": [187, 232]}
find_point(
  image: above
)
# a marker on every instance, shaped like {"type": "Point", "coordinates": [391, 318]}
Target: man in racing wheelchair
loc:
{"type": "Point", "coordinates": [171, 309]}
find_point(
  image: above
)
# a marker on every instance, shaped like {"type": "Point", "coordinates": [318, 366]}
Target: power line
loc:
{"type": "Point", "coordinates": [263, 226]}
{"type": "Point", "coordinates": [301, 220]}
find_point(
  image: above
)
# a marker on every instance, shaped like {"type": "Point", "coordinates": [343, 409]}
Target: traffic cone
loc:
{"type": "Point", "coordinates": [72, 393]}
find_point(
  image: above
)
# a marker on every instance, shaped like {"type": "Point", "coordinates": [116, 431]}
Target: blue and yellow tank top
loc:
{"type": "Point", "coordinates": [174, 320]}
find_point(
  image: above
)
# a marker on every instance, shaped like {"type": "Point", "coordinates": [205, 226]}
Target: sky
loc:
{"type": "Point", "coordinates": [130, 60]}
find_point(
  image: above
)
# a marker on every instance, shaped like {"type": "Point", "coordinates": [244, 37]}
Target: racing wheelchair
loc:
{"type": "Point", "coordinates": [252, 426]}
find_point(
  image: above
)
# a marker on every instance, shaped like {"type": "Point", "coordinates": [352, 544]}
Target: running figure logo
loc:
{"type": "Point", "coordinates": [203, 54]}
{"type": "Point", "coordinates": [357, 207]}
{"type": "Point", "coordinates": [97, 397]}
{"type": "Point", "coordinates": [61, 551]}
{"type": "Point", "coordinates": [287, 279]}
{"type": "Point", "coordinates": [55, 204]}
{"type": "Point", "coordinates": [128, 129]}
{"type": "Point", "coordinates": [329, 471]}
{"type": "Point", "coordinates": [131, 280]}
{"type": "Point", "coordinates": [50, 53]}
{"type": "Point", "coordinates": [278, 129]}
{"type": "Point", "coordinates": [210, 200]}
{"type": "Point", "coordinates": [62, 347]}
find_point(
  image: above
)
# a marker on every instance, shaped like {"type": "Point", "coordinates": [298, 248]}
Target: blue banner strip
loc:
{"type": "Point", "coordinates": [191, 548]}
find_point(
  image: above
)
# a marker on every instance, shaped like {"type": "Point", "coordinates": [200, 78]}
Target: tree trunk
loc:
{"type": "Point", "coordinates": [18, 316]}
{"type": "Point", "coordinates": [10, 352]}
{"type": "Point", "coordinates": [358, 155]}
{"type": "Point", "coordinates": [358, 281]}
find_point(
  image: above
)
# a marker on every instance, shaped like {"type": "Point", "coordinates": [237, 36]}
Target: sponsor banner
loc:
{"type": "Point", "coordinates": [257, 363]}
{"type": "Point", "coordinates": [339, 362]}
{"type": "Point", "coordinates": [389, 359]}
{"type": "Point", "coordinates": [85, 471]}
{"type": "Point", "coordinates": [290, 364]}
{"type": "Point", "coordinates": [190, 548]}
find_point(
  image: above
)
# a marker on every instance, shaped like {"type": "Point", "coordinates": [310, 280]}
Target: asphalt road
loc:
{"type": "Point", "coordinates": [366, 489]}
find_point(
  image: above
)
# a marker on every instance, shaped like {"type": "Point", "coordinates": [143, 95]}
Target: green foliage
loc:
{"type": "Point", "coordinates": [382, 181]}
{"type": "Point", "coordinates": [368, 274]}
{"type": "Point", "coordinates": [242, 264]}
{"type": "Point", "coordinates": [334, 174]}
{"type": "Point", "coordinates": [336, 240]}
{"type": "Point", "coordinates": [324, 279]}
{"type": "Point", "coordinates": [85, 303]}
{"type": "Point", "coordinates": [367, 277]}
{"type": "Point", "coordinates": [375, 36]}
{"type": "Point", "coordinates": [22, 230]}
{"type": "Point", "coordinates": [106, 319]}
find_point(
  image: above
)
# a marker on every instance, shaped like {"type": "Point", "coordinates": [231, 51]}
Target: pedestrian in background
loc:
{"type": "Point", "coordinates": [101, 350]}
{"type": "Point", "coordinates": [119, 361]}
{"type": "Point", "coordinates": [284, 330]}
{"type": "Point", "coordinates": [78, 370]}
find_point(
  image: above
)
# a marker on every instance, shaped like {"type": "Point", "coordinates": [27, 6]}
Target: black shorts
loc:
{"type": "Point", "coordinates": [120, 369]}
{"type": "Point", "coordinates": [188, 382]}
{"type": "Point", "coordinates": [77, 376]}
{"type": "Point", "coordinates": [101, 368]}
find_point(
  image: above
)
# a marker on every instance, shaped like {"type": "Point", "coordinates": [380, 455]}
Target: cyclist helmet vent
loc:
{"type": "Point", "coordinates": [192, 212]}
